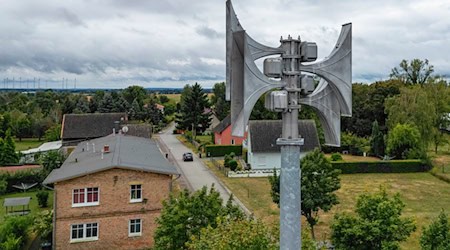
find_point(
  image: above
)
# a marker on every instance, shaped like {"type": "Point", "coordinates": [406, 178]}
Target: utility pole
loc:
{"type": "Point", "coordinates": [290, 216]}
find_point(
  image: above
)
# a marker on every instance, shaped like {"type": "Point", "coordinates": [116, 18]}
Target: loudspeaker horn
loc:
{"type": "Point", "coordinates": [336, 69]}
{"type": "Point", "coordinates": [325, 102]}
{"type": "Point", "coordinates": [257, 50]}
{"type": "Point", "coordinates": [245, 83]}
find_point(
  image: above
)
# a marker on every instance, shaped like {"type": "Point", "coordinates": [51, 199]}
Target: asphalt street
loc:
{"type": "Point", "coordinates": [195, 173]}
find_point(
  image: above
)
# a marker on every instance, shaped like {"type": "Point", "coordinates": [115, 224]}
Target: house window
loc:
{"type": "Point", "coordinates": [136, 193]}
{"type": "Point", "coordinates": [135, 228]}
{"type": "Point", "coordinates": [85, 197]}
{"type": "Point", "coordinates": [232, 141]}
{"type": "Point", "coordinates": [84, 232]}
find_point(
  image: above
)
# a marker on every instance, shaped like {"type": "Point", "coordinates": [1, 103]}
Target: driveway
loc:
{"type": "Point", "coordinates": [195, 174]}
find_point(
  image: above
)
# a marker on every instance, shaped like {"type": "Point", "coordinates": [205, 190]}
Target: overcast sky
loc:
{"type": "Point", "coordinates": [169, 43]}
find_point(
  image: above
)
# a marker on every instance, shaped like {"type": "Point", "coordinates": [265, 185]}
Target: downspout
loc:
{"type": "Point", "coordinates": [173, 180]}
{"type": "Point", "coordinates": [54, 216]}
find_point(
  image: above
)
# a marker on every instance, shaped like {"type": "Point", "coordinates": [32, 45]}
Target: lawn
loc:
{"type": "Point", "coordinates": [34, 207]}
{"type": "Point", "coordinates": [423, 194]}
{"type": "Point", "coordinates": [27, 143]}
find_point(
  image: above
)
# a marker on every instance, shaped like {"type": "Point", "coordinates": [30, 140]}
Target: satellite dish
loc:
{"type": "Point", "coordinates": [125, 129]}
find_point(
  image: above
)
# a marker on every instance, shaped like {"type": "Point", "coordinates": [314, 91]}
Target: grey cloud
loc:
{"type": "Point", "coordinates": [70, 17]}
{"type": "Point", "coordinates": [208, 32]}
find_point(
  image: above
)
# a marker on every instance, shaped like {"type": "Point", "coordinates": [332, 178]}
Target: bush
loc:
{"type": "Point", "coordinates": [233, 165]}
{"type": "Point", "coordinates": [14, 229]}
{"type": "Point", "coordinates": [221, 150]}
{"type": "Point", "coordinates": [3, 186]}
{"type": "Point", "coordinates": [26, 176]}
{"type": "Point", "coordinates": [336, 157]}
{"type": "Point", "coordinates": [396, 166]}
{"type": "Point", "coordinates": [42, 197]}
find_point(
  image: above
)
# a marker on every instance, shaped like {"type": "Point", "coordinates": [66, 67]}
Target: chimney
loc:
{"type": "Point", "coordinates": [106, 148]}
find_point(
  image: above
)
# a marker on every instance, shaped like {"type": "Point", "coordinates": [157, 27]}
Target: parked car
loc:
{"type": "Point", "coordinates": [188, 157]}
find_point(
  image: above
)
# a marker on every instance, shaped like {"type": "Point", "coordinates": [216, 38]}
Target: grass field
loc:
{"type": "Point", "coordinates": [27, 143]}
{"type": "Point", "coordinates": [34, 207]}
{"type": "Point", "coordinates": [423, 194]}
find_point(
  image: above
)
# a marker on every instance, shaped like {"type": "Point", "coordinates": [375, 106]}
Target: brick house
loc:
{"type": "Point", "coordinates": [108, 193]}
{"type": "Point", "coordinates": [222, 133]}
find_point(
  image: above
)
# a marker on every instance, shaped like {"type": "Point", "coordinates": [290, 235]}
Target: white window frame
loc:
{"type": "Point", "coordinates": [135, 234]}
{"type": "Point", "coordinates": [85, 203]}
{"type": "Point", "coordinates": [84, 238]}
{"type": "Point", "coordinates": [131, 192]}
{"type": "Point", "coordinates": [232, 141]}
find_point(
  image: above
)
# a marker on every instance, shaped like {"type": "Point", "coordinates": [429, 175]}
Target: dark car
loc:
{"type": "Point", "coordinates": [188, 157]}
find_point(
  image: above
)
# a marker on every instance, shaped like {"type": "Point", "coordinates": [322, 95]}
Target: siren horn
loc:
{"type": "Point", "coordinates": [245, 82]}
{"type": "Point", "coordinates": [324, 101]}
{"type": "Point", "coordinates": [336, 69]}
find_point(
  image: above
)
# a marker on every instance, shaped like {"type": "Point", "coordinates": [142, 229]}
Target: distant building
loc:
{"type": "Point", "coordinates": [81, 127]}
{"type": "Point", "coordinates": [28, 156]}
{"type": "Point", "coordinates": [263, 151]}
{"type": "Point", "coordinates": [222, 133]}
{"type": "Point", "coordinates": [109, 192]}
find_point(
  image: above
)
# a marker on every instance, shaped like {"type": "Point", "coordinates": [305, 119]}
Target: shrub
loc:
{"type": "Point", "coordinates": [42, 197]}
{"type": "Point", "coordinates": [221, 150]}
{"type": "Point", "coordinates": [3, 186]}
{"type": "Point", "coordinates": [395, 166]}
{"type": "Point", "coordinates": [14, 228]}
{"type": "Point", "coordinates": [233, 165]}
{"type": "Point", "coordinates": [336, 157]}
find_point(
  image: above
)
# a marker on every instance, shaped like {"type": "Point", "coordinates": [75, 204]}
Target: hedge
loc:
{"type": "Point", "coordinates": [394, 166]}
{"type": "Point", "coordinates": [221, 150]}
{"type": "Point", "coordinates": [26, 176]}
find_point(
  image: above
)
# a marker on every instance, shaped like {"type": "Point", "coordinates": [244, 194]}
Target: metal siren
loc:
{"type": "Point", "coordinates": [336, 69]}
{"type": "Point", "coordinates": [247, 81]}
{"type": "Point", "coordinates": [256, 49]}
{"type": "Point", "coordinates": [325, 102]}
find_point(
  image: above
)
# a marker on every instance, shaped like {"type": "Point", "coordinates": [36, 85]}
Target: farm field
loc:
{"type": "Point", "coordinates": [423, 194]}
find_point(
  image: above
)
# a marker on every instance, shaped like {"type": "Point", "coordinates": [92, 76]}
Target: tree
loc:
{"type": "Point", "coordinates": [194, 114]}
{"type": "Point", "coordinates": [404, 142]}
{"type": "Point", "coordinates": [51, 160]}
{"type": "Point", "coordinates": [235, 234]}
{"type": "Point", "coordinates": [438, 92]}
{"type": "Point", "coordinates": [377, 140]}
{"type": "Point", "coordinates": [414, 72]}
{"type": "Point", "coordinates": [377, 224]}
{"type": "Point", "coordinates": [163, 99]}
{"type": "Point", "coordinates": [221, 106]}
{"type": "Point", "coordinates": [275, 187]}
{"type": "Point", "coordinates": [319, 181]}
{"type": "Point", "coordinates": [53, 133]}
{"type": "Point", "coordinates": [43, 224]}
{"type": "Point", "coordinates": [134, 92]}
{"type": "Point", "coordinates": [135, 111]}
{"type": "Point", "coordinates": [184, 215]}
{"type": "Point", "coordinates": [9, 150]}
{"type": "Point", "coordinates": [414, 107]}
{"type": "Point", "coordinates": [437, 235]}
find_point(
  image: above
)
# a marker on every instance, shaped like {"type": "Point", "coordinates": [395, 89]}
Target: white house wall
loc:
{"type": "Point", "coordinates": [267, 160]}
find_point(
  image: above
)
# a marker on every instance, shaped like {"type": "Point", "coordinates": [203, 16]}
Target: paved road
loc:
{"type": "Point", "coordinates": [195, 173]}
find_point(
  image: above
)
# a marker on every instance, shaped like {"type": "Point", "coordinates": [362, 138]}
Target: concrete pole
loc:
{"type": "Point", "coordinates": [290, 214]}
